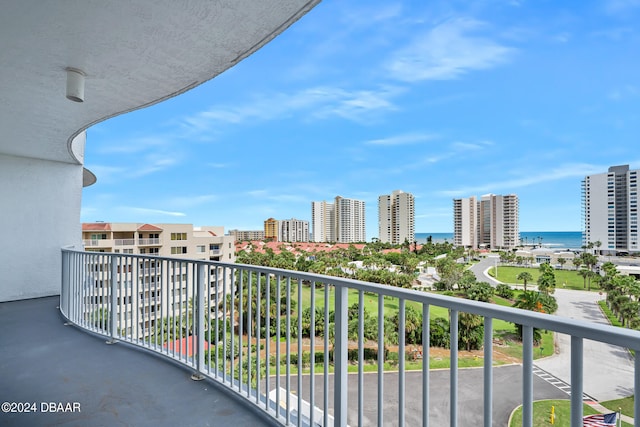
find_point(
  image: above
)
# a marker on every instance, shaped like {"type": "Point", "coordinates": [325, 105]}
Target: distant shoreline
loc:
{"type": "Point", "coordinates": [550, 239]}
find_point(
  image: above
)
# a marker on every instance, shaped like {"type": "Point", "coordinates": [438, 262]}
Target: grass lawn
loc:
{"type": "Point", "coordinates": [565, 279]}
{"type": "Point", "coordinates": [502, 330]}
{"type": "Point", "coordinates": [542, 413]}
{"type": "Point", "coordinates": [625, 404]}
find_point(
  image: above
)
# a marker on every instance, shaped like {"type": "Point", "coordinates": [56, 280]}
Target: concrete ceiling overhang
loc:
{"type": "Point", "coordinates": [134, 53]}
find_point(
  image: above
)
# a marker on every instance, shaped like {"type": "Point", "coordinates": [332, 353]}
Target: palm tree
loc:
{"type": "Point", "coordinates": [547, 279]}
{"type": "Point", "coordinates": [525, 276]}
{"type": "Point", "coordinates": [562, 262]}
{"type": "Point", "coordinates": [577, 262]}
{"type": "Point", "coordinates": [584, 273]}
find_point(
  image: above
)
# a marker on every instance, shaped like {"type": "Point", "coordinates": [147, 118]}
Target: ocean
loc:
{"type": "Point", "coordinates": [549, 239]}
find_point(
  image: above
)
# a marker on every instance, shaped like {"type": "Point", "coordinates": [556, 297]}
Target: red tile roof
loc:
{"type": "Point", "coordinates": [185, 345]}
{"type": "Point", "coordinates": [149, 227]}
{"type": "Point", "coordinates": [96, 226]}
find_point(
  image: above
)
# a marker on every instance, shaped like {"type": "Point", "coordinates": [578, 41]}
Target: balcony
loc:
{"type": "Point", "coordinates": [148, 242]}
{"type": "Point", "coordinates": [273, 380]}
{"type": "Point", "coordinates": [113, 384]}
{"type": "Point", "coordinates": [125, 242]}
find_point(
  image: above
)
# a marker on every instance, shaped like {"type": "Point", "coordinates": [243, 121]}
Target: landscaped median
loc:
{"type": "Point", "coordinates": [542, 413]}
{"type": "Point", "coordinates": [565, 279]}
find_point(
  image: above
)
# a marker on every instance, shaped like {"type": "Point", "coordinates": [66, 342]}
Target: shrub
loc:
{"type": "Point", "coordinates": [504, 291]}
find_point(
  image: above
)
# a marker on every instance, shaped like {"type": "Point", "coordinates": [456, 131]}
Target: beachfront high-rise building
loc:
{"type": "Point", "coordinates": [465, 222]}
{"type": "Point", "coordinates": [293, 230]}
{"type": "Point", "coordinates": [342, 221]}
{"type": "Point", "coordinates": [610, 210]}
{"type": "Point", "coordinates": [396, 217]}
{"type": "Point", "coordinates": [323, 221]}
{"type": "Point", "coordinates": [350, 220]}
{"type": "Point", "coordinates": [271, 229]}
{"type": "Point", "coordinates": [491, 222]}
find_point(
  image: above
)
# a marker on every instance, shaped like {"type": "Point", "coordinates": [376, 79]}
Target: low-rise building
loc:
{"type": "Point", "coordinates": [149, 241]}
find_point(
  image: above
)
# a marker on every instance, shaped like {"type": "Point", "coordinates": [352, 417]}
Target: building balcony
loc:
{"type": "Point", "coordinates": [269, 381]}
{"type": "Point", "coordinates": [125, 242]}
{"type": "Point", "coordinates": [148, 242]}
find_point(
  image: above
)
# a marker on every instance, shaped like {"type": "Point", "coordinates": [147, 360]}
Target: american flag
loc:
{"type": "Point", "coordinates": [600, 420]}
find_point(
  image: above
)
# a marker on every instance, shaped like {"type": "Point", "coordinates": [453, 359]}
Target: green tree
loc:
{"type": "Point", "coordinates": [547, 279]}
{"type": "Point", "coordinates": [470, 331]}
{"type": "Point", "coordinates": [526, 277]}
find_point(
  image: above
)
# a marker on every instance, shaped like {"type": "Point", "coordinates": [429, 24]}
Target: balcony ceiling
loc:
{"type": "Point", "coordinates": [134, 53]}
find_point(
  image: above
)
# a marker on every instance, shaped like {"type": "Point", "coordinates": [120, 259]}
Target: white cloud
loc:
{"type": "Point", "coordinates": [627, 91]}
{"type": "Point", "coordinates": [446, 52]}
{"type": "Point", "coordinates": [191, 201]}
{"type": "Point", "coordinates": [146, 211]}
{"type": "Point", "coordinates": [154, 163]}
{"type": "Point", "coordinates": [409, 138]}
{"type": "Point", "coordinates": [318, 103]}
{"type": "Point", "coordinates": [616, 7]}
{"type": "Point", "coordinates": [578, 170]}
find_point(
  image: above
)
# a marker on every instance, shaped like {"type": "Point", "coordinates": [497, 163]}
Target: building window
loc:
{"type": "Point", "coordinates": [98, 237]}
{"type": "Point", "coordinates": [178, 236]}
{"type": "Point", "coordinates": [200, 249]}
{"type": "Point", "coordinates": [178, 250]}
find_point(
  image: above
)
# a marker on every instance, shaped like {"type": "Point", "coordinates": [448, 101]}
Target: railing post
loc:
{"type": "Point", "coordinates": [113, 318]}
{"type": "Point", "coordinates": [527, 376]}
{"type": "Point", "coordinates": [340, 357]}
{"type": "Point", "coordinates": [636, 383]}
{"type": "Point", "coordinates": [64, 289]}
{"type": "Point", "coordinates": [576, 381]}
{"type": "Point", "coordinates": [453, 370]}
{"type": "Point", "coordinates": [200, 319]}
{"type": "Point", "coordinates": [488, 371]}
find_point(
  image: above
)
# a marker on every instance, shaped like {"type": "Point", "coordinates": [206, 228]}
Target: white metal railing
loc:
{"type": "Point", "coordinates": [125, 242]}
{"type": "Point", "coordinates": [259, 309]}
{"type": "Point", "coordinates": [146, 242]}
{"type": "Point", "coordinates": [92, 242]}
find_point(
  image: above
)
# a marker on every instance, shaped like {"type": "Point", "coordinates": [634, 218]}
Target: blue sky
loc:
{"type": "Point", "coordinates": [442, 99]}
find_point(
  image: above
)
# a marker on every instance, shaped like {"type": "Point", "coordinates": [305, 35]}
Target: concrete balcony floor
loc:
{"type": "Point", "coordinates": [41, 360]}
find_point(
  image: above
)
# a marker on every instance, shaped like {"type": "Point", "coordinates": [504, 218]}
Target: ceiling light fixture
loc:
{"type": "Point", "coordinates": [75, 84]}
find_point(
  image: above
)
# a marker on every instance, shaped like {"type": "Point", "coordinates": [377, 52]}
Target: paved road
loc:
{"type": "Point", "coordinates": [507, 394]}
{"type": "Point", "coordinates": [608, 369]}
{"type": "Point", "coordinates": [481, 267]}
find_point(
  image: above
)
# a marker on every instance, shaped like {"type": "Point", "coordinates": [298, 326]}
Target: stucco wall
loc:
{"type": "Point", "coordinates": [40, 213]}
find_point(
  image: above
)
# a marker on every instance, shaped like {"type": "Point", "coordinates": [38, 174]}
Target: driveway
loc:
{"type": "Point", "coordinates": [480, 268]}
{"type": "Point", "coordinates": [608, 369]}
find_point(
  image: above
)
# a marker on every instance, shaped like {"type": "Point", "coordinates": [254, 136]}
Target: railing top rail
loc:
{"type": "Point", "coordinates": [594, 331]}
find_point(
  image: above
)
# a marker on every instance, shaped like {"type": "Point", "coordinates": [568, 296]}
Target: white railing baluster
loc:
{"type": "Point", "coordinates": [527, 376]}
{"type": "Point", "coordinates": [488, 372]}
{"type": "Point", "coordinates": [426, 326]}
{"type": "Point", "coordinates": [636, 383]}
{"type": "Point", "coordinates": [401, 361]}
{"type": "Point", "coordinates": [381, 360]}
{"type": "Point", "coordinates": [340, 357]}
{"type": "Point", "coordinates": [453, 370]}
{"type": "Point", "coordinates": [360, 358]}
{"type": "Point", "coordinates": [576, 381]}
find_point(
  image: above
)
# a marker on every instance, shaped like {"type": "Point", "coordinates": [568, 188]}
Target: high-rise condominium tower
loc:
{"type": "Point", "coordinates": [610, 210]}
{"type": "Point", "coordinates": [490, 222]}
{"type": "Point", "coordinates": [271, 229]}
{"type": "Point", "coordinates": [293, 230]}
{"type": "Point", "coordinates": [396, 217]}
{"type": "Point", "coordinates": [342, 221]}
